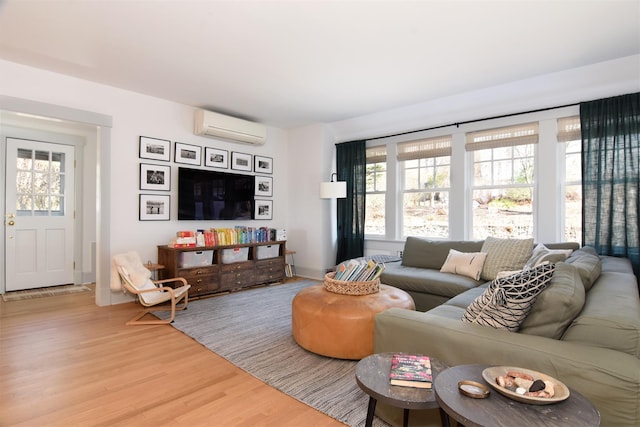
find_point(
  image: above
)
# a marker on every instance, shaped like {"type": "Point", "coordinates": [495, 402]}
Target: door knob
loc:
{"type": "Point", "coordinates": [12, 222]}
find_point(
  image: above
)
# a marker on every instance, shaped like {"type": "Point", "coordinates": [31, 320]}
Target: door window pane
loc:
{"type": "Point", "coordinates": [39, 183]}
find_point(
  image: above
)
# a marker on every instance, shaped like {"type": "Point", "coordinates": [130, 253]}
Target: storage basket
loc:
{"type": "Point", "coordinates": [195, 259]}
{"type": "Point", "coordinates": [233, 255]}
{"type": "Point", "coordinates": [268, 251]}
{"type": "Point", "coordinates": [350, 288]}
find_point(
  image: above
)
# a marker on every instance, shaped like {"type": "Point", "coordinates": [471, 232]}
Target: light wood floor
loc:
{"type": "Point", "coordinates": [66, 362]}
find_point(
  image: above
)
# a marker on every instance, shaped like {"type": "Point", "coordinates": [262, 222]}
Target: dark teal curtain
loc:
{"type": "Point", "coordinates": [610, 181]}
{"type": "Point", "coordinates": [351, 162]}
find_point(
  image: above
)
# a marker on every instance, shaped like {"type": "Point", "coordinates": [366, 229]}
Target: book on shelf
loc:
{"type": "Point", "coordinates": [410, 370]}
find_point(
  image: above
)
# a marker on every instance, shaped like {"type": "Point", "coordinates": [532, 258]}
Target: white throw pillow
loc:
{"type": "Point", "coordinates": [464, 263]}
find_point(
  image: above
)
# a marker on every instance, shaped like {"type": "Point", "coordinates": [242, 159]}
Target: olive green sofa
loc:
{"type": "Point", "coordinates": [418, 273]}
{"type": "Point", "coordinates": [583, 329]}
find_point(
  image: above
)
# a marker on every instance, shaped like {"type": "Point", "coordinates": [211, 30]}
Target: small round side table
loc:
{"type": "Point", "coordinates": [372, 376]}
{"type": "Point", "coordinates": [498, 410]}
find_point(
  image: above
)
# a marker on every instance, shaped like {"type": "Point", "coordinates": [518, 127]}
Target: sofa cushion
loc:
{"type": "Point", "coordinates": [464, 299]}
{"type": "Point", "coordinates": [588, 263]}
{"type": "Point", "coordinates": [426, 280]}
{"type": "Point", "coordinates": [611, 315]}
{"type": "Point", "coordinates": [424, 253]}
{"type": "Point", "coordinates": [615, 264]}
{"type": "Point", "coordinates": [505, 255]}
{"type": "Point", "coordinates": [556, 306]}
{"type": "Point", "coordinates": [507, 302]}
{"type": "Point", "coordinates": [542, 254]}
{"type": "Point", "coordinates": [464, 263]}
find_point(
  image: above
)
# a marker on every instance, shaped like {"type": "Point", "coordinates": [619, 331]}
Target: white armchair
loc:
{"type": "Point", "coordinates": [136, 279]}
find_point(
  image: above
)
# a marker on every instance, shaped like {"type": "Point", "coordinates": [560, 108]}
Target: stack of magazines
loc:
{"type": "Point", "coordinates": [358, 270]}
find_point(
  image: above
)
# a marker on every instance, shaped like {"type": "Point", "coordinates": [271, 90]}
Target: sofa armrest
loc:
{"type": "Point", "coordinates": [602, 375]}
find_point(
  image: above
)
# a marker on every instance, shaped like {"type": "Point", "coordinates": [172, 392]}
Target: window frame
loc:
{"type": "Point", "coordinates": [508, 139]}
{"type": "Point", "coordinates": [374, 152]}
{"type": "Point", "coordinates": [433, 147]}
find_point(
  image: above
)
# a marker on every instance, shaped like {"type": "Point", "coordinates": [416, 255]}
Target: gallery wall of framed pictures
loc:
{"type": "Point", "coordinates": [155, 178]}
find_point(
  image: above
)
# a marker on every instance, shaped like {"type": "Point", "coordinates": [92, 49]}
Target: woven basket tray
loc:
{"type": "Point", "coordinates": [350, 288]}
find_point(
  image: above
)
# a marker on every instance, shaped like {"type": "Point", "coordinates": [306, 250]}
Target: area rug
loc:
{"type": "Point", "coordinates": [43, 292]}
{"type": "Point", "coordinates": [252, 330]}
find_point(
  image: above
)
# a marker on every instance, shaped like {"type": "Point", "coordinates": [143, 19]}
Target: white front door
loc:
{"type": "Point", "coordinates": [39, 214]}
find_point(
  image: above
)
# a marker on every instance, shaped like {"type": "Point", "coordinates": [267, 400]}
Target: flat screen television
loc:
{"type": "Point", "coordinates": [213, 195]}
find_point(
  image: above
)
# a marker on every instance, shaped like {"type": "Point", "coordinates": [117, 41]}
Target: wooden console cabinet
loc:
{"type": "Point", "coordinates": [212, 269]}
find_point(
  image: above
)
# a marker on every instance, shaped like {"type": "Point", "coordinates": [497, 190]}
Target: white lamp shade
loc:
{"type": "Point", "coordinates": [333, 190]}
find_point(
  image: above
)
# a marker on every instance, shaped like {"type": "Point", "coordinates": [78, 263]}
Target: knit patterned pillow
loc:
{"type": "Point", "coordinates": [506, 302]}
{"type": "Point", "coordinates": [505, 255]}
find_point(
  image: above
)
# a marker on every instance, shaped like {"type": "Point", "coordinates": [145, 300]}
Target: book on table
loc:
{"type": "Point", "coordinates": [410, 370]}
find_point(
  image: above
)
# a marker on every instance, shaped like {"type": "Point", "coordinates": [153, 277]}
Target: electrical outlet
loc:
{"type": "Point", "coordinates": [400, 254]}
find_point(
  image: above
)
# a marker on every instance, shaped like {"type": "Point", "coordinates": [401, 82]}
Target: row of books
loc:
{"type": "Point", "coordinates": [358, 270]}
{"type": "Point", "coordinates": [224, 236]}
{"type": "Point", "coordinates": [240, 234]}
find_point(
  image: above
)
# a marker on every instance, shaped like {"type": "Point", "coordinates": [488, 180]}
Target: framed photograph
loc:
{"type": "Point", "coordinates": [241, 161]}
{"type": "Point", "coordinates": [263, 164]}
{"type": "Point", "coordinates": [264, 186]}
{"type": "Point", "coordinates": [155, 177]}
{"type": "Point", "coordinates": [263, 209]}
{"type": "Point", "coordinates": [155, 149]}
{"type": "Point", "coordinates": [154, 207]}
{"type": "Point", "coordinates": [187, 153]}
{"type": "Point", "coordinates": [216, 158]}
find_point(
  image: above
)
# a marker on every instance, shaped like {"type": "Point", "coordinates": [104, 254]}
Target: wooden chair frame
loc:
{"type": "Point", "coordinates": [174, 300]}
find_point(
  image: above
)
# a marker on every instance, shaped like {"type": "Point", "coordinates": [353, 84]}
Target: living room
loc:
{"type": "Point", "coordinates": [127, 115]}
{"type": "Point", "coordinates": [113, 119]}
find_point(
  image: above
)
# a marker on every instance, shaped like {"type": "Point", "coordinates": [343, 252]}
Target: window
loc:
{"type": "Point", "coordinates": [503, 180]}
{"type": "Point", "coordinates": [376, 176]}
{"type": "Point", "coordinates": [426, 167]}
{"type": "Point", "coordinates": [40, 179]}
{"type": "Point", "coordinates": [509, 177]}
{"type": "Point", "coordinates": [569, 135]}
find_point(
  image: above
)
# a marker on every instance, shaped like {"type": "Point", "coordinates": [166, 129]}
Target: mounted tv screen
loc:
{"type": "Point", "coordinates": [211, 195]}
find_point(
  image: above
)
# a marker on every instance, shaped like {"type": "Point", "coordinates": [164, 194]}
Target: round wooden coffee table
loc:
{"type": "Point", "coordinates": [372, 376]}
{"type": "Point", "coordinates": [498, 410]}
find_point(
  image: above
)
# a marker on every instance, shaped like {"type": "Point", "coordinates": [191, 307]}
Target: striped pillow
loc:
{"type": "Point", "coordinates": [506, 302]}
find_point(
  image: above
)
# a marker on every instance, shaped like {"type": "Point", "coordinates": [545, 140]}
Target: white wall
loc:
{"type": "Point", "coordinates": [134, 115]}
{"type": "Point", "coordinates": [311, 228]}
{"type": "Point", "coordinates": [588, 83]}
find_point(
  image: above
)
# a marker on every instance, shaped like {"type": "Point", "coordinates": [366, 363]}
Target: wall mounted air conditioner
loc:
{"type": "Point", "coordinates": [216, 125]}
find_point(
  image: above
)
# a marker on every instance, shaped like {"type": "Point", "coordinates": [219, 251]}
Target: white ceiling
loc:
{"type": "Point", "coordinates": [291, 63]}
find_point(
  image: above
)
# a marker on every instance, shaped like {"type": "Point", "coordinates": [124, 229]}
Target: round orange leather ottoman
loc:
{"type": "Point", "coordinates": [341, 326]}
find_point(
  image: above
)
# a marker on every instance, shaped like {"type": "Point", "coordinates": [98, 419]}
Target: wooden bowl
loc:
{"type": "Point", "coordinates": [561, 390]}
